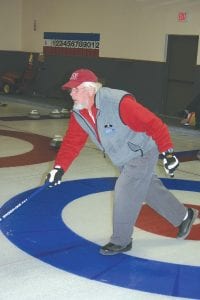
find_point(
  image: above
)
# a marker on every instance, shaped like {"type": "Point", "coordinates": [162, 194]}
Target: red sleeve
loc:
{"type": "Point", "coordinates": [73, 141]}
{"type": "Point", "coordinates": [140, 119]}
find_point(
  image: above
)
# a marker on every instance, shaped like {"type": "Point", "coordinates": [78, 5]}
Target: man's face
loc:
{"type": "Point", "coordinates": [82, 96]}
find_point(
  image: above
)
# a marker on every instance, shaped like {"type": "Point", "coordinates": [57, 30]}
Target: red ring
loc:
{"type": "Point", "coordinates": [41, 152]}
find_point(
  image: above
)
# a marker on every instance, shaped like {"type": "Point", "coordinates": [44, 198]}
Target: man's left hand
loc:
{"type": "Point", "coordinates": [170, 162]}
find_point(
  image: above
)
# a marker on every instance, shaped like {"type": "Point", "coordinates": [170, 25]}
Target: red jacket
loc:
{"type": "Point", "coordinates": [133, 114]}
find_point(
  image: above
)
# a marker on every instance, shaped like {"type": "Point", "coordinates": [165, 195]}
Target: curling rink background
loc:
{"type": "Point", "coordinates": [49, 247]}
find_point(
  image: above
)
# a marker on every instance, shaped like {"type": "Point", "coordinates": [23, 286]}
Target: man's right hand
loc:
{"type": "Point", "coordinates": [54, 176]}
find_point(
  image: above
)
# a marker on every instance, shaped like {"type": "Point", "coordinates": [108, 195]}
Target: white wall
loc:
{"type": "Point", "coordinates": [10, 24]}
{"type": "Point", "coordinates": [135, 29]}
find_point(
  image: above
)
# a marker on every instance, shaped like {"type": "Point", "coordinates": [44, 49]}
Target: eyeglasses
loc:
{"type": "Point", "coordinates": [76, 90]}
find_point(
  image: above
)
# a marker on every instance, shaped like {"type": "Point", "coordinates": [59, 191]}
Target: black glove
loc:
{"type": "Point", "coordinates": [54, 177]}
{"type": "Point", "coordinates": [170, 162]}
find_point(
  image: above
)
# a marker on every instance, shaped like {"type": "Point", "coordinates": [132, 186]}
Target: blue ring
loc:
{"type": "Point", "coordinates": [37, 228]}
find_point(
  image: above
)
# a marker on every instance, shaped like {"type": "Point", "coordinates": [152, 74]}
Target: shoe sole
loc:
{"type": "Point", "coordinates": [196, 213]}
{"type": "Point", "coordinates": [103, 252]}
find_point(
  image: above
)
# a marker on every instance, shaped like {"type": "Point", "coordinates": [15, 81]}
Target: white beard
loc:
{"type": "Point", "coordinates": [80, 106]}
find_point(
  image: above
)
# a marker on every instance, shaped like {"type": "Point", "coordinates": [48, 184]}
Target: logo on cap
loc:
{"type": "Point", "coordinates": [74, 76]}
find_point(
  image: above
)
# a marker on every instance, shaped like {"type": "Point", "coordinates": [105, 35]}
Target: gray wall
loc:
{"type": "Point", "coordinates": [142, 78]}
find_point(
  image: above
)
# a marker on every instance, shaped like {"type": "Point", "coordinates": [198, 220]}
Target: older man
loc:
{"type": "Point", "coordinates": [132, 137]}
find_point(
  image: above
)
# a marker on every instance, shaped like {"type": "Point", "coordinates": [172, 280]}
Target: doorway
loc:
{"type": "Point", "coordinates": [181, 63]}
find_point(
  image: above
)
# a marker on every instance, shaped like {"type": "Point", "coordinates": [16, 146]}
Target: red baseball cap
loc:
{"type": "Point", "coordinates": [78, 77]}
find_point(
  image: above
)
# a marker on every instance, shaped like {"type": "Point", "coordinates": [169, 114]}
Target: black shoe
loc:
{"type": "Point", "coordinates": [112, 249]}
{"type": "Point", "coordinates": [186, 225]}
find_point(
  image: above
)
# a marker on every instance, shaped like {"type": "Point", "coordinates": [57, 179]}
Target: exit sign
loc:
{"type": "Point", "coordinates": [182, 16]}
